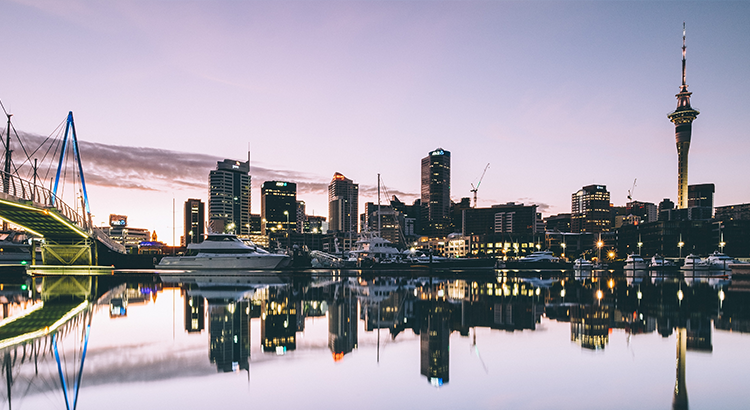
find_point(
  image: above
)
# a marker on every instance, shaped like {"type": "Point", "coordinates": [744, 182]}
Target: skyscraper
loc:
{"type": "Point", "coordinates": [195, 217]}
{"type": "Point", "coordinates": [229, 197]}
{"type": "Point", "coordinates": [683, 118]}
{"type": "Point", "coordinates": [590, 210]}
{"type": "Point", "coordinates": [278, 206]}
{"type": "Point", "coordinates": [343, 205]}
{"type": "Point", "coordinates": [436, 193]}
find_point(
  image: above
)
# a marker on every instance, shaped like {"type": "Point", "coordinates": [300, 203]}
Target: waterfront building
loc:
{"type": "Point", "coordinates": [457, 246]}
{"type": "Point", "coordinates": [557, 223]}
{"type": "Point", "coordinates": [436, 193]}
{"type": "Point", "coordinates": [457, 214]}
{"type": "Point", "coordinates": [590, 210]}
{"type": "Point", "coordinates": [739, 212]}
{"type": "Point", "coordinates": [509, 219]}
{"type": "Point", "coordinates": [314, 224]}
{"type": "Point", "coordinates": [229, 197]}
{"type": "Point", "coordinates": [412, 217]}
{"type": "Point", "coordinates": [666, 207]}
{"type": "Point", "coordinates": [301, 216]}
{"type": "Point", "coordinates": [343, 205]}
{"type": "Point", "coordinates": [701, 201]}
{"type": "Point", "coordinates": [683, 118]}
{"type": "Point", "coordinates": [119, 231]}
{"type": "Point", "coordinates": [278, 206]}
{"type": "Point", "coordinates": [386, 221]}
{"type": "Point", "coordinates": [636, 212]}
{"type": "Point", "coordinates": [195, 220]}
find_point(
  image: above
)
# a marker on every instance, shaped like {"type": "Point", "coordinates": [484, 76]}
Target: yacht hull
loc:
{"type": "Point", "coordinates": [254, 262]}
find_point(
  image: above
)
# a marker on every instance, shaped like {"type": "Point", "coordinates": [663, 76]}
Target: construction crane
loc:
{"type": "Point", "coordinates": [631, 191]}
{"type": "Point", "coordinates": [474, 189]}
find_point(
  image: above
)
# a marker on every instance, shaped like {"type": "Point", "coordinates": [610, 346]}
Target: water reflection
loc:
{"type": "Point", "coordinates": [599, 309]}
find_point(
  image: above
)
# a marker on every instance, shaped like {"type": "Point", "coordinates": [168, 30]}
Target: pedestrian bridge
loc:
{"type": "Point", "coordinates": [67, 237]}
{"type": "Point", "coordinates": [65, 234]}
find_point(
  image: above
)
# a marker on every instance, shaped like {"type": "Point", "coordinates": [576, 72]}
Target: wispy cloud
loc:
{"type": "Point", "coordinates": [151, 169]}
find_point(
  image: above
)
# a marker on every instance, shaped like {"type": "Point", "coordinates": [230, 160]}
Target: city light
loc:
{"type": "Point", "coordinates": [599, 294]}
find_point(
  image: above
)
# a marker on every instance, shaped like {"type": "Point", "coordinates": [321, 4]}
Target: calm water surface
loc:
{"type": "Point", "coordinates": [334, 340]}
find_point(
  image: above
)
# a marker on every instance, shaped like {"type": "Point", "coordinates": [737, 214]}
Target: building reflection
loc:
{"type": "Point", "coordinates": [589, 326]}
{"type": "Point", "coordinates": [195, 313]}
{"type": "Point", "coordinates": [278, 323]}
{"type": "Point", "coordinates": [680, 397]}
{"type": "Point", "coordinates": [435, 341]}
{"type": "Point", "coordinates": [229, 330]}
{"type": "Point", "coordinates": [342, 322]}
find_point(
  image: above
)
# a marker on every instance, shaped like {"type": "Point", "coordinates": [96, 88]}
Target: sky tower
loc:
{"type": "Point", "coordinates": [683, 118]}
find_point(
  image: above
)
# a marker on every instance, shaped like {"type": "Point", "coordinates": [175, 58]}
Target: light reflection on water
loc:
{"type": "Point", "coordinates": [493, 339]}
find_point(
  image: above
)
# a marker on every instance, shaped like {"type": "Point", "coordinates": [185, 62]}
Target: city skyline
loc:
{"type": "Point", "coordinates": [554, 95]}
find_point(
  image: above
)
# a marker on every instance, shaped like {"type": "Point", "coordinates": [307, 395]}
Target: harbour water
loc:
{"type": "Point", "coordinates": [341, 339]}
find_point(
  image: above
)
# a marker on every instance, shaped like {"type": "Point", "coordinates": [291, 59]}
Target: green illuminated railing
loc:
{"type": "Point", "coordinates": [42, 197]}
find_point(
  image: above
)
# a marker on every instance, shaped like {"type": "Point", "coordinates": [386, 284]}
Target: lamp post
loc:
{"type": "Point", "coordinates": [680, 244]}
{"type": "Point", "coordinates": [288, 238]}
{"type": "Point", "coordinates": [563, 248]}
{"type": "Point", "coordinates": [599, 245]}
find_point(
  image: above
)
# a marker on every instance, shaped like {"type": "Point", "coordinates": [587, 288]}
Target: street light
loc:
{"type": "Point", "coordinates": [599, 245]}
{"type": "Point", "coordinates": [288, 238]}
{"type": "Point", "coordinates": [680, 244]}
{"type": "Point", "coordinates": [563, 247]}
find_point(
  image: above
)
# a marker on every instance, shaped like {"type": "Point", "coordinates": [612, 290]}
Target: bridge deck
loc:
{"type": "Point", "coordinates": [45, 222]}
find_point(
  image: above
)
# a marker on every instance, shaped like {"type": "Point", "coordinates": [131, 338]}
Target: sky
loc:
{"type": "Point", "coordinates": [554, 95]}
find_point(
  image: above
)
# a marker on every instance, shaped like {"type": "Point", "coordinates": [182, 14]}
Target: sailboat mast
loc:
{"type": "Point", "coordinates": [378, 204]}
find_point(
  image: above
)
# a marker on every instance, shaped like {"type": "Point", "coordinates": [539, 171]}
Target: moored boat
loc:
{"type": "Point", "coordinates": [635, 261]}
{"type": "Point", "coordinates": [225, 251]}
{"type": "Point", "coordinates": [694, 262]}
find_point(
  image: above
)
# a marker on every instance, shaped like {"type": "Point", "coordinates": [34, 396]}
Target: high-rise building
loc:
{"type": "Point", "coordinates": [343, 205]}
{"type": "Point", "coordinates": [195, 217]}
{"type": "Point", "coordinates": [590, 210]}
{"type": "Point", "coordinates": [436, 193]}
{"type": "Point", "coordinates": [683, 118]}
{"type": "Point", "coordinates": [278, 206]}
{"type": "Point", "coordinates": [229, 197]}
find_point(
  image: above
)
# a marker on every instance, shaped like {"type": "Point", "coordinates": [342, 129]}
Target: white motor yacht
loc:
{"type": "Point", "coordinates": [225, 251]}
{"type": "Point", "coordinates": [635, 261]}
{"type": "Point", "coordinates": [658, 261]}
{"type": "Point", "coordinates": [720, 261]}
{"type": "Point", "coordinates": [371, 246]}
{"type": "Point", "coordinates": [539, 256]}
{"type": "Point", "coordinates": [581, 264]}
{"type": "Point", "coordinates": [694, 262]}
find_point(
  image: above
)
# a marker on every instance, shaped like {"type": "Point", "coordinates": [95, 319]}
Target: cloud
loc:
{"type": "Point", "coordinates": [142, 168]}
{"type": "Point", "coordinates": [151, 169]}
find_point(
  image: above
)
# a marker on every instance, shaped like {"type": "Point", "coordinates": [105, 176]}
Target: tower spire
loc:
{"type": "Point", "coordinates": [684, 85]}
{"type": "Point", "coordinates": [683, 118]}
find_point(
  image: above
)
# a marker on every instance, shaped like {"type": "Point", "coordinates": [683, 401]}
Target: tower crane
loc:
{"type": "Point", "coordinates": [474, 189]}
{"type": "Point", "coordinates": [631, 191]}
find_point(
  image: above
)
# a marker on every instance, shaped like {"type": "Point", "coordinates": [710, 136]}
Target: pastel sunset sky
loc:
{"type": "Point", "coordinates": [554, 95]}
